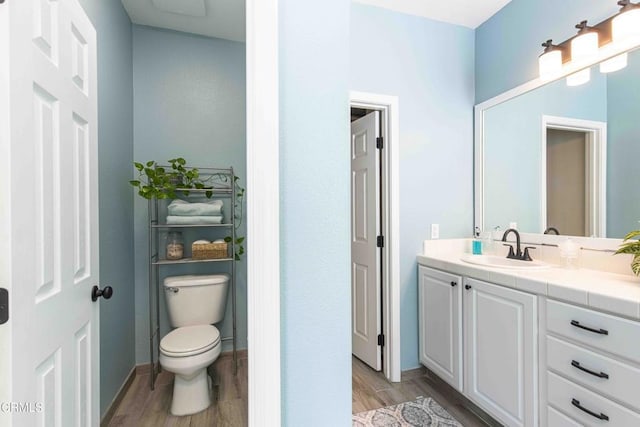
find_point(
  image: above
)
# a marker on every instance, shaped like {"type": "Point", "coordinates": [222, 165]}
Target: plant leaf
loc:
{"type": "Point", "coordinates": [150, 163]}
{"type": "Point", "coordinates": [632, 234]}
{"type": "Point", "coordinates": [239, 240]}
{"type": "Point", "coordinates": [228, 239]}
{"type": "Point", "coordinates": [629, 248]}
{"type": "Point", "coordinates": [135, 183]}
{"type": "Point", "coordinates": [635, 265]}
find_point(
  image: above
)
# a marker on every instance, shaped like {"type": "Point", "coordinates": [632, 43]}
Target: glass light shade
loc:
{"type": "Point", "coordinates": [614, 64]}
{"type": "Point", "coordinates": [550, 64]}
{"type": "Point", "coordinates": [584, 46]}
{"type": "Point", "coordinates": [626, 25]}
{"type": "Point", "coordinates": [579, 78]}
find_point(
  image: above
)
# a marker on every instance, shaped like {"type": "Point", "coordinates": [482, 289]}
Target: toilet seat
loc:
{"type": "Point", "coordinates": [190, 340]}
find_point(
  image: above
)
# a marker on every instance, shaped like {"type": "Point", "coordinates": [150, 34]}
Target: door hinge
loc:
{"type": "Point", "coordinates": [379, 142]}
{"type": "Point", "coordinates": [4, 305]}
{"type": "Point", "coordinates": [380, 241]}
{"type": "Point", "coordinates": [381, 340]}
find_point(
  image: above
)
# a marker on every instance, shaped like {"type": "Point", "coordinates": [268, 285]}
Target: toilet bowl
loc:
{"type": "Point", "coordinates": [187, 352]}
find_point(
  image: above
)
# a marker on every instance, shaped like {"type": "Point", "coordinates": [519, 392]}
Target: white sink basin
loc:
{"type": "Point", "coordinates": [502, 262]}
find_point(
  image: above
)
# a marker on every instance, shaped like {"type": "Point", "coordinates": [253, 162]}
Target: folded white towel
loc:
{"type": "Point", "coordinates": [195, 220]}
{"type": "Point", "coordinates": [184, 208]}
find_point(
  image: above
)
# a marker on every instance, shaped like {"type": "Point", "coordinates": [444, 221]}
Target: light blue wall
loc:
{"type": "Point", "coordinates": [508, 44]}
{"type": "Point", "coordinates": [513, 147]}
{"type": "Point", "coordinates": [314, 215]}
{"type": "Point", "coordinates": [623, 151]}
{"type": "Point", "coordinates": [115, 151]}
{"type": "Point", "coordinates": [429, 66]}
{"type": "Point", "coordinates": [189, 101]}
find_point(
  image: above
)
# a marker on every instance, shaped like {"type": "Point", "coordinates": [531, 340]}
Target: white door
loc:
{"type": "Point", "coordinates": [365, 227]}
{"type": "Point", "coordinates": [501, 352]}
{"type": "Point", "coordinates": [440, 324]}
{"type": "Point", "coordinates": [49, 246]}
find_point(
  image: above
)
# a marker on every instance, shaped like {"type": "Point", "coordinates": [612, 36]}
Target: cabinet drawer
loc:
{"type": "Point", "coordinates": [586, 407]}
{"type": "Point", "coordinates": [558, 419]}
{"type": "Point", "coordinates": [609, 333]}
{"type": "Point", "coordinates": [606, 376]}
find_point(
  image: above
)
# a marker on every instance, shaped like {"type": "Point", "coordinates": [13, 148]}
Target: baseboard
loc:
{"type": "Point", "coordinates": [111, 410]}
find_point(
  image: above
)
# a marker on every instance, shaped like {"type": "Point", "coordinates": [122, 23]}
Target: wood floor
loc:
{"type": "Point", "coordinates": [371, 390]}
{"type": "Point", "coordinates": [142, 407]}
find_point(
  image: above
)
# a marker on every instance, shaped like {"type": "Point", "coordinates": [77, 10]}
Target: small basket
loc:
{"type": "Point", "coordinates": [209, 250]}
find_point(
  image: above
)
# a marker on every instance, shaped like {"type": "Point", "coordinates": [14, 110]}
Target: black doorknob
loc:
{"type": "Point", "coordinates": [96, 293]}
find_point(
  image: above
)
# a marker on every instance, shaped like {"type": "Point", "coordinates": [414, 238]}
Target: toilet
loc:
{"type": "Point", "coordinates": [194, 303]}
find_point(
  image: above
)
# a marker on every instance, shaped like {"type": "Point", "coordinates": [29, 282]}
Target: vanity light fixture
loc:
{"type": "Point", "coordinates": [550, 62]}
{"type": "Point", "coordinates": [606, 43]}
{"type": "Point", "coordinates": [584, 47]}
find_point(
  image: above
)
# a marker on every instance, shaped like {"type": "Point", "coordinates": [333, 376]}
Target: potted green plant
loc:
{"type": "Point", "coordinates": [156, 181]}
{"type": "Point", "coordinates": [632, 246]}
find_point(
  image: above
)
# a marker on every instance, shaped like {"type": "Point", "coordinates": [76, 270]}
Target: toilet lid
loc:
{"type": "Point", "coordinates": [190, 340]}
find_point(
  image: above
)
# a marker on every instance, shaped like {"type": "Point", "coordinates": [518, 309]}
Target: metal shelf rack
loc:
{"type": "Point", "coordinates": [222, 182]}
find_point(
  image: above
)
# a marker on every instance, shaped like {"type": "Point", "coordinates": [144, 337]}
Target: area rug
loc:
{"type": "Point", "coordinates": [420, 412]}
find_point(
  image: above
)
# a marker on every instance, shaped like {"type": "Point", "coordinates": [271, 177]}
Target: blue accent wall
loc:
{"type": "Point", "coordinates": [315, 212]}
{"type": "Point", "coordinates": [189, 101]}
{"type": "Point", "coordinates": [508, 44]}
{"type": "Point", "coordinates": [429, 65]}
{"type": "Point", "coordinates": [115, 151]}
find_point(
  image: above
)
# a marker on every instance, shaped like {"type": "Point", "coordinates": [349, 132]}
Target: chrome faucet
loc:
{"type": "Point", "coordinates": [518, 254]}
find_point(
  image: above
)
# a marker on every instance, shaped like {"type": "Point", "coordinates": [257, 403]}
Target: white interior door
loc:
{"type": "Point", "coordinates": [49, 216]}
{"type": "Point", "coordinates": [365, 227]}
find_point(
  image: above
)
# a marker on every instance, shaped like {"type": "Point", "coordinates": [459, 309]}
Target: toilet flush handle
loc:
{"type": "Point", "coordinates": [172, 289]}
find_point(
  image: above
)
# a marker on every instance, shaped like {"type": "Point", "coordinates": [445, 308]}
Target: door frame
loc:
{"type": "Point", "coordinates": [596, 139]}
{"type": "Point", "coordinates": [263, 213]}
{"type": "Point", "coordinates": [388, 105]}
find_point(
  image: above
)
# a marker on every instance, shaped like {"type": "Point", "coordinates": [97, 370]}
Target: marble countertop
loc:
{"type": "Point", "coordinates": [614, 293]}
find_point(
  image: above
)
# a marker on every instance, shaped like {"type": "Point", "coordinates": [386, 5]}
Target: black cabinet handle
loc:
{"type": "Point", "coordinates": [454, 284]}
{"type": "Point", "coordinates": [586, 328]}
{"type": "Point", "coordinates": [467, 287]}
{"type": "Point", "coordinates": [599, 416]}
{"type": "Point", "coordinates": [576, 364]}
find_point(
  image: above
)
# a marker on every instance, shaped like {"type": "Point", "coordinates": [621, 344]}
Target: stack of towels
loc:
{"type": "Point", "coordinates": [181, 212]}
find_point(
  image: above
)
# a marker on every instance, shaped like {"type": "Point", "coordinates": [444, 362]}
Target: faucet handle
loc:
{"type": "Point", "coordinates": [511, 253]}
{"type": "Point", "coordinates": [525, 255]}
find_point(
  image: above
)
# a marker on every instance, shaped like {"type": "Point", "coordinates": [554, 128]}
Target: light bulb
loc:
{"type": "Point", "coordinates": [614, 64]}
{"type": "Point", "coordinates": [550, 64]}
{"type": "Point", "coordinates": [626, 25]}
{"type": "Point", "coordinates": [584, 46]}
{"type": "Point", "coordinates": [579, 78]}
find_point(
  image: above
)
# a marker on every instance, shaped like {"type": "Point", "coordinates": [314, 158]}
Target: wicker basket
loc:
{"type": "Point", "coordinates": [209, 250]}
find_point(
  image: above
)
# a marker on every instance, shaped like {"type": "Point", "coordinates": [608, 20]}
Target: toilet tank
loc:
{"type": "Point", "coordinates": [196, 299]}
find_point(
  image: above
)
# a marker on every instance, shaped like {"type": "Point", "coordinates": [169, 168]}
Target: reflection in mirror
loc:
{"type": "Point", "coordinates": [565, 158]}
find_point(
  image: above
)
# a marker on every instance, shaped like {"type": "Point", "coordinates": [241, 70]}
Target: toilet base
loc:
{"type": "Point", "coordinates": [191, 394]}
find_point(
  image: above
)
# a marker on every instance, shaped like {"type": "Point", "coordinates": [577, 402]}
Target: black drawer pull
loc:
{"type": "Point", "coordinates": [467, 287]}
{"type": "Point", "coordinates": [576, 364]}
{"type": "Point", "coordinates": [586, 328]}
{"type": "Point", "coordinates": [453, 284]}
{"type": "Point", "coordinates": [599, 416]}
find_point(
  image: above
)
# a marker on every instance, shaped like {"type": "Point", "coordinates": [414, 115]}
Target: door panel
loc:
{"type": "Point", "coordinates": [365, 259]}
{"type": "Point", "coordinates": [440, 317]}
{"type": "Point", "coordinates": [53, 216]}
{"type": "Point", "coordinates": [501, 351]}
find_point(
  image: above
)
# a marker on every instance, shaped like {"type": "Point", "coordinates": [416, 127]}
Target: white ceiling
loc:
{"type": "Point", "coordinates": [223, 19]}
{"type": "Point", "coordinates": [469, 13]}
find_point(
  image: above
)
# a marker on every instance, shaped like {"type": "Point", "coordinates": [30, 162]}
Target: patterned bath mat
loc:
{"type": "Point", "coordinates": [420, 412]}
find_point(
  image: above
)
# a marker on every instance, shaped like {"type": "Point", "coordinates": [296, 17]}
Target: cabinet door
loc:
{"type": "Point", "coordinates": [440, 330]}
{"type": "Point", "coordinates": [501, 352]}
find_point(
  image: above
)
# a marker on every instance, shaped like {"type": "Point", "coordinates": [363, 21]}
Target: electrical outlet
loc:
{"type": "Point", "coordinates": [435, 231]}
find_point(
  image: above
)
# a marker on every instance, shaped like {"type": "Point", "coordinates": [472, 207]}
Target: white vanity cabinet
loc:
{"type": "Point", "coordinates": [440, 317]}
{"type": "Point", "coordinates": [482, 339]}
{"type": "Point", "coordinates": [500, 336]}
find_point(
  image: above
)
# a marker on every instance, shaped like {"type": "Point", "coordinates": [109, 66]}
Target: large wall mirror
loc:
{"type": "Point", "coordinates": [562, 158]}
